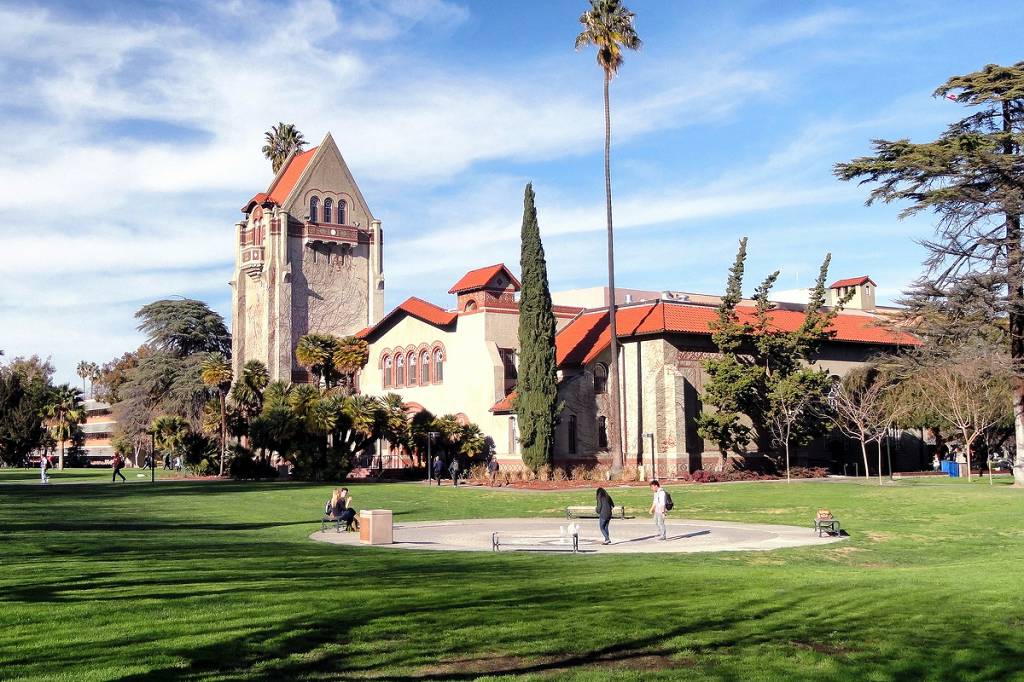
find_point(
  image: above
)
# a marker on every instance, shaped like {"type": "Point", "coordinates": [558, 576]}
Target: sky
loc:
{"type": "Point", "coordinates": [133, 134]}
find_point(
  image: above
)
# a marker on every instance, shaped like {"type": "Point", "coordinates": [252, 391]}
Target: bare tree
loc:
{"type": "Point", "coordinates": [864, 407]}
{"type": "Point", "coordinates": [797, 401]}
{"type": "Point", "coordinates": [971, 391]}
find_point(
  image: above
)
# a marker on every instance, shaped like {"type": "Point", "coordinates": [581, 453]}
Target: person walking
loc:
{"type": "Point", "coordinates": [605, 504]}
{"type": "Point", "coordinates": [44, 467]}
{"type": "Point", "coordinates": [453, 469]}
{"type": "Point", "coordinates": [118, 464]}
{"type": "Point", "coordinates": [658, 509]}
{"type": "Point", "coordinates": [492, 469]}
{"type": "Point", "coordinates": [438, 469]}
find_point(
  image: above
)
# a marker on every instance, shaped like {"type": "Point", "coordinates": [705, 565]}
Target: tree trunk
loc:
{"type": "Point", "coordinates": [223, 431]}
{"type": "Point", "coordinates": [787, 459]}
{"type": "Point", "coordinates": [60, 463]}
{"type": "Point", "coordinates": [967, 447]}
{"type": "Point", "coordinates": [879, 444]}
{"type": "Point", "coordinates": [615, 422]}
{"type": "Point", "coordinates": [864, 452]}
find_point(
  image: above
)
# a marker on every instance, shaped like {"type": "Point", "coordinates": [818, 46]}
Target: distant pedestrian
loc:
{"type": "Point", "coordinates": [177, 463]}
{"type": "Point", "coordinates": [492, 469]}
{"type": "Point", "coordinates": [167, 461]}
{"type": "Point", "coordinates": [438, 469]}
{"type": "Point", "coordinates": [605, 504]}
{"type": "Point", "coordinates": [936, 464]}
{"type": "Point", "coordinates": [659, 507]}
{"type": "Point", "coordinates": [453, 469]}
{"type": "Point", "coordinates": [118, 464]}
{"type": "Point", "coordinates": [44, 467]}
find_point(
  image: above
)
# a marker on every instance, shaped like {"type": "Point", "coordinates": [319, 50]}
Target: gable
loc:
{"type": "Point", "coordinates": [326, 175]}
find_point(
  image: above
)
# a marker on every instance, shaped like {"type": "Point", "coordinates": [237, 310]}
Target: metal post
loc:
{"type": "Point", "coordinates": [152, 457]}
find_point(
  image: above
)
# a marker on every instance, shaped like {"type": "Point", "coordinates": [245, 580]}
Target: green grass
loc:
{"type": "Point", "coordinates": [199, 580]}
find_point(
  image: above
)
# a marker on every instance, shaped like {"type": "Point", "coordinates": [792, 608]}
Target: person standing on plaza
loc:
{"type": "Point", "coordinates": [44, 467]}
{"type": "Point", "coordinates": [118, 464]}
{"type": "Point", "coordinates": [659, 508]}
{"type": "Point", "coordinates": [605, 504]}
{"type": "Point", "coordinates": [438, 469]}
{"type": "Point", "coordinates": [492, 469]}
{"type": "Point", "coordinates": [453, 469]}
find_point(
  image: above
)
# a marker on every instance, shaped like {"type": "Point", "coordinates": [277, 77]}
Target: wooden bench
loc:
{"type": "Point", "coordinates": [830, 526]}
{"type": "Point", "coordinates": [339, 525]}
{"type": "Point", "coordinates": [590, 512]}
{"type": "Point", "coordinates": [545, 543]}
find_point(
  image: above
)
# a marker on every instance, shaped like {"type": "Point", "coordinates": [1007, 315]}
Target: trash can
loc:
{"type": "Point", "coordinates": [375, 527]}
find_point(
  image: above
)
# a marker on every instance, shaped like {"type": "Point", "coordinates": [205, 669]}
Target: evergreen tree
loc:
{"type": "Point", "coordinates": [972, 178]}
{"type": "Point", "coordinates": [536, 402]}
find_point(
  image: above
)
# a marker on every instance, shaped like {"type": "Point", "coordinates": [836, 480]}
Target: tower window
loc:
{"type": "Point", "coordinates": [328, 205]}
{"type": "Point", "coordinates": [600, 379]}
{"type": "Point", "coordinates": [314, 205]}
{"type": "Point", "coordinates": [342, 210]}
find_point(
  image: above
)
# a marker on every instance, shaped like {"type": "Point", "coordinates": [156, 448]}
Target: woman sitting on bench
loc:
{"type": "Point", "coordinates": [341, 508]}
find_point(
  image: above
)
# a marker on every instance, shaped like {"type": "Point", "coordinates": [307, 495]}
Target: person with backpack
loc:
{"type": "Point", "coordinates": [118, 464]}
{"type": "Point", "coordinates": [605, 504]}
{"type": "Point", "coordinates": [438, 469]}
{"type": "Point", "coordinates": [661, 505]}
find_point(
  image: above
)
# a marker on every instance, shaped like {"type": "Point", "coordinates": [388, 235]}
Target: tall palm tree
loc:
{"type": "Point", "coordinates": [215, 372]}
{"type": "Point", "coordinates": [282, 140]}
{"type": "Point", "coordinates": [64, 413]}
{"type": "Point", "coordinates": [94, 374]}
{"type": "Point", "coordinates": [83, 372]}
{"type": "Point", "coordinates": [170, 431]}
{"type": "Point", "coordinates": [316, 352]}
{"type": "Point", "coordinates": [608, 26]}
{"type": "Point", "coordinates": [350, 356]}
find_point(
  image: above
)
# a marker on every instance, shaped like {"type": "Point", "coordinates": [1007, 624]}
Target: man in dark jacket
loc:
{"type": "Point", "coordinates": [438, 469]}
{"type": "Point", "coordinates": [453, 469]}
{"type": "Point", "coordinates": [118, 464]}
{"type": "Point", "coordinates": [605, 504]}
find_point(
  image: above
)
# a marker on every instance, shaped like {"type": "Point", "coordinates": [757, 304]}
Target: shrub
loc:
{"type": "Point", "coordinates": [544, 472]}
{"type": "Point", "coordinates": [630, 473]}
{"type": "Point", "coordinates": [808, 472]}
{"type": "Point", "coordinates": [478, 473]}
{"type": "Point", "coordinates": [600, 472]}
{"type": "Point", "coordinates": [560, 475]}
{"type": "Point", "coordinates": [580, 473]}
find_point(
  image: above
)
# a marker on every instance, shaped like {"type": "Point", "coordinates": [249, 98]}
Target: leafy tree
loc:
{"type": "Point", "coordinates": [215, 372]}
{"type": "Point", "coordinates": [64, 413]}
{"type": "Point", "coordinates": [754, 356]}
{"type": "Point", "coordinates": [349, 357]}
{"type": "Point", "coordinates": [282, 140]}
{"type": "Point", "coordinates": [316, 352]}
{"type": "Point", "coordinates": [170, 433]}
{"type": "Point", "coordinates": [971, 178]}
{"type": "Point", "coordinates": [608, 26]}
{"type": "Point", "coordinates": [114, 374]}
{"type": "Point", "coordinates": [536, 402]}
{"type": "Point", "coordinates": [798, 401]}
{"type": "Point", "coordinates": [247, 393]}
{"type": "Point", "coordinates": [183, 327]}
{"type": "Point", "coordinates": [420, 426]}
{"type": "Point", "coordinates": [21, 423]}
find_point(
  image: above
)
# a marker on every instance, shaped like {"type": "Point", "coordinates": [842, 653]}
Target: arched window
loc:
{"type": "Point", "coordinates": [600, 378]}
{"type": "Point", "coordinates": [470, 306]}
{"type": "Point", "coordinates": [387, 371]}
{"type": "Point", "coordinates": [328, 204]}
{"type": "Point", "coordinates": [400, 370]}
{"type": "Point", "coordinates": [438, 366]}
{"type": "Point", "coordinates": [425, 368]}
{"type": "Point", "coordinates": [314, 204]}
{"type": "Point", "coordinates": [342, 210]}
{"type": "Point", "coordinates": [412, 368]}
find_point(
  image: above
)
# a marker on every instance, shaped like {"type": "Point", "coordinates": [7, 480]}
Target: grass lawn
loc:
{"type": "Point", "coordinates": [212, 580]}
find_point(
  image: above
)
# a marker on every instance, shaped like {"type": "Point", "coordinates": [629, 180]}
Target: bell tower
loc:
{"type": "Point", "coordinates": [308, 258]}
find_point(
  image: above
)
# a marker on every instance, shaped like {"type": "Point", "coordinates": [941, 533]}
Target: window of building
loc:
{"type": "Point", "coordinates": [470, 306]}
{"type": "Point", "coordinates": [412, 369]}
{"type": "Point", "coordinates": [600, 378]}
{"type": "Point", "coordinates": [572, 434]}
{"type": "Point", "coordinates": [387, 371]}
{"type": "Point", "coordinates": [400, 370]}
{"type": "Point", "coordinates": [328, 205]}
{"type": "Point", "coordinates": [438, 366]}
{"type": "Point", "coordinates": [342, 210]}
{"type": "Point", "coordinates": [314, 204]}
{"type": "Point", "coordinates": [602, 432]}
{"type": "Point", "coordinates": [425, 368]}
{"type": "Point", "coordinates": [508, 364]}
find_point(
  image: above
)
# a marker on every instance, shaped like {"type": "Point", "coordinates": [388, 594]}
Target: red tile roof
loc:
{"type": "Point", "coordinates": [481, 277]}
{"type": "Point", "coordinates": [418, 308]}
{"type": "Point", "coordinates": [284, 183]}
{"type": "Point", "coordinates": [851, 282]}
{"type": "Point", "coordinates": [258, 198]}
{"type": "Point", "coordinates": [583, 339]}
{"type": "Point", "coordinates": [504, 406]}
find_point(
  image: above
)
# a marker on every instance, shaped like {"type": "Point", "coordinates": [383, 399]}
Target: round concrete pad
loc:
{"type": "Point", "coordinates": [628, 536]}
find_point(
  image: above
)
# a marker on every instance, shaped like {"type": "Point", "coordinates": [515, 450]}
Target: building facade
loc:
{"type": "Point", "coordinates": [308, 258]}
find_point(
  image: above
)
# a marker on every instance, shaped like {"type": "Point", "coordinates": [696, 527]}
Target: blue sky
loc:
{"type": "Point", "coordinates": [133, 132]}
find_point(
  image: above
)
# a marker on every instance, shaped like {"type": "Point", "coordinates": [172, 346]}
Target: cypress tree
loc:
{"type": "Point", "coordinates": [536, 401]}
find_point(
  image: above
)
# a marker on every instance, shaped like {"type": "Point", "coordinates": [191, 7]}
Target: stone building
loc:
{"type": "Point", "coordinates": [308, 258]}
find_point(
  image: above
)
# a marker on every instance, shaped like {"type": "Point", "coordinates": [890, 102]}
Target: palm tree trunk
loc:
{"type": "Point", "coordinates": [223, 431]}
{"type": "Point", "coordinates": [615, 423]}
{"type": "Point", "coordinates": [60, 464]}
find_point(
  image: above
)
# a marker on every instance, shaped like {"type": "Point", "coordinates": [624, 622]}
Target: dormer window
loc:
{"type": "Point", "coordinates": [328, 205]}
{"type": "Point", "coordinates": [314, 205]}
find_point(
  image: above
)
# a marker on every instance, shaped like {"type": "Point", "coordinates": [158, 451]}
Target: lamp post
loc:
{"type": "Point", "coordinates": [152, 457]}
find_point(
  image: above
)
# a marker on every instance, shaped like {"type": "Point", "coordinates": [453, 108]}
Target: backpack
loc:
{"type": "Point", "coordinates": [328, 508]}
{"type": "Point", "coordinates": [668, 502]}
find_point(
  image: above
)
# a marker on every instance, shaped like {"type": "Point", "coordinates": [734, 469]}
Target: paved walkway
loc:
{"type": "Point", "coordinates": [631, 536]}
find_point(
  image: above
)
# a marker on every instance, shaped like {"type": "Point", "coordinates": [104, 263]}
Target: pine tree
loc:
{"type": "Point", "coordinates": [536, 402]}
{"type": "Point", "coordinates": [972, 179]}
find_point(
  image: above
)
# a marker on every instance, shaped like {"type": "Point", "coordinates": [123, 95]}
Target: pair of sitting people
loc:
{"type": "Point", "coordinates": [339, 508]}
